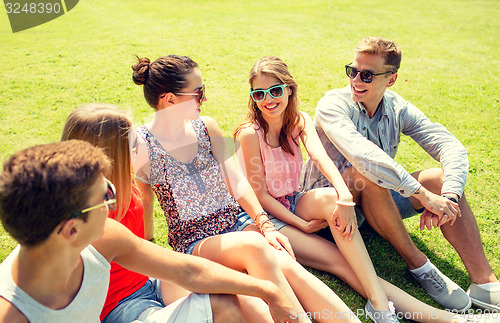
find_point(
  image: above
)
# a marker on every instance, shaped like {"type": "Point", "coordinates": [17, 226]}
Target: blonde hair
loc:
{"type": "Point", "coordinates": [108, 127]}
{"type": "Point", "coordinates": [275, 67]}
{"type": "Point", "coordinates": [378, 45]}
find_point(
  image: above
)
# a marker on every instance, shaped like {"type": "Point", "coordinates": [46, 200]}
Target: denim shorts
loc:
{"type": "Point", "coordinates": [406, 209]}
{"type": "Point", "coordinates": [293, 199]}
{"type": "Point", "coordinates": [243, 221]}
{"type": "Point", "coordinates": [131, 307]}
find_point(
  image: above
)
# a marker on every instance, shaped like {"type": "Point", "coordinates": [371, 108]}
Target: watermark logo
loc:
{"type": "Point", "coordinates": [25, 14]}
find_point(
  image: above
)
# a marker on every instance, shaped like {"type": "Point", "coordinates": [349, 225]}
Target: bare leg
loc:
{"type": "Point", "coordinates": [226, 308]}
{"type": "Point", "coordinates": [171, 292]}
{"type": "Point", "coordinates": [320, 204]}
{"type": "Point", "coordinates": [253, 309]}
{"type": "Point", "coordinates": [313, 294]}
{"type": "Point", "coordinates": [313, 251]}
{"type": "Point", "coordinates": [383, 216]}
{"type": "Point", "coordinates": [316, 252]}
{"type": "Point", "coordinates": [415, 310]}
{"type": "Point", "coordinates": [470, 249]}
{"type": "Point", "coordinates": [247, 252]}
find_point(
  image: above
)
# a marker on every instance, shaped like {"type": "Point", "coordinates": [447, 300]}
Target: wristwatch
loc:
{"type": "Point", "coordinates": [451, 198]}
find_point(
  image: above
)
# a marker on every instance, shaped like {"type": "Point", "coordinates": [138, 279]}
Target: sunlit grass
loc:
{"type": "Point", "coordinates": [450, 71]}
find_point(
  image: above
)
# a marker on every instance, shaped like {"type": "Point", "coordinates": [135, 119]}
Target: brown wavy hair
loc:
{"type": "Point", "coordinates": [275, 67]}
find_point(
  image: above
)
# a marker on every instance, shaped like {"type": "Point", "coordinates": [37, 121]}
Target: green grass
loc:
{"type": "Point", "coordinates": [450, 71]}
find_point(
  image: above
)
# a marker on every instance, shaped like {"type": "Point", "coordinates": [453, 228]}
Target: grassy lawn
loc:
{"type": "Point", "coordinates": [450, 70]}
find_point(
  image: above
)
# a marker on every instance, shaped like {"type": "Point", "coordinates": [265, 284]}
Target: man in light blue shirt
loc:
{"type": "Point", "coordinates": [360, 127]}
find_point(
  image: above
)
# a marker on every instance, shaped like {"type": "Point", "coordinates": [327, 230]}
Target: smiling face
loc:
{"type": "Point", "coordinates": [270, 107]}
{"type": "Point", "coordinates": [370, 94]}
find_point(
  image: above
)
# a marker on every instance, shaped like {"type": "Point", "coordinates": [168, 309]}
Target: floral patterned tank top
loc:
{"type": "Point", "coordinates": [193, 195]}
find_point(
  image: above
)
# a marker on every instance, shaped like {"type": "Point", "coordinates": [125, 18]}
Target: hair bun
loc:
{"type": "Point", "coordinates": [141, 71]}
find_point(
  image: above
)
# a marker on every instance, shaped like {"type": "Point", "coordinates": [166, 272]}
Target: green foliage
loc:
{"type": "Point", "coordinates": [450, 71]}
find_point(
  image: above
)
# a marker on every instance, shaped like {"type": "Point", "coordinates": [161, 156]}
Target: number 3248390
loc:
{"type": "Point", "coordinates": [27, 8]}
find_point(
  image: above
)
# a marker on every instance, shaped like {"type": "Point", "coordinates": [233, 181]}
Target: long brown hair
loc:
{"type": "Point", "coordinates": [108, 127]}
{"type": "Point", "coordinates": [275, 67]}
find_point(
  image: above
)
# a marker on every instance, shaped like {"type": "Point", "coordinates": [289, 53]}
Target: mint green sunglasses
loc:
{"type": "Point", "coordinates": [274, 92]}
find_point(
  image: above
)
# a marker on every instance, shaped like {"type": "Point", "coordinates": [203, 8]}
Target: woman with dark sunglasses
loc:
{"type": "Point", "coordinates": [183, 159]}
{"type": "Point", "coordinates": [272, 159]}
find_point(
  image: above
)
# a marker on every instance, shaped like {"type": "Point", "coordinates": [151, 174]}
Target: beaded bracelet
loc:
{"type": "Point", "coordinates": [346, 203]}
{"type": "Point", "coordinates": [263, 222]}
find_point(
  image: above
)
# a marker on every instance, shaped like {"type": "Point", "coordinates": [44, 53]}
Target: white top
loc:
{"type": "Point", "coordinates": [85, 307]}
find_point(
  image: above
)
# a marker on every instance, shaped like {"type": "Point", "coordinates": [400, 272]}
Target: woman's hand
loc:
{"type": "Point", "coordinates": [279, 241]}
{"type": "Point", "coordinates": [313, 225]}
{"type": "Point", "coordinates": [344, 220]}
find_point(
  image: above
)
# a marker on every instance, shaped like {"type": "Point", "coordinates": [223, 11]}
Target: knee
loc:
{"type": "Point", "coordinates": [257, 249]}
{"type": "Point", "coordinates": [226, 308]}
{"type": "Point", "coordinates": [289, 267]}
{"type": "Point", "coordinates": [433, 180]}
{"type": "Point", "coordinates": [325, 202]}
{"type": "Point", "coordinates": [357, 182]}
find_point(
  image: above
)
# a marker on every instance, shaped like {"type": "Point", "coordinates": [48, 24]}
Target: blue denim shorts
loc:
{"type": "Point", "coordinates": [243, 221]}
{"type": "Point", "coordinates": [131, 307]}
{"type": "Point", "coordinates": [406, 209]}
{"type": "Point", "coordinates": [293, 199]}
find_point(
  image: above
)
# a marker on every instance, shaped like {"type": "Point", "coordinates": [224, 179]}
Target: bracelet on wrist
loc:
{"type": "Point", "coordinates": [345, 203]}
{"type": "Point", "coordinates": [260, 218]}
{"type": "Point", "coordinates": [263, 223]}
{"type": "Point", "coordinates": [267, 227]}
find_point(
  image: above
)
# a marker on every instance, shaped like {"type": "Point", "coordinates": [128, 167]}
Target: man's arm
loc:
{"type": "Point", "coordinates": [441, 145]}
{"type": "Point", "coordinates": [196, 274]}
{"type": "Point", "coordinates": [333, 117]}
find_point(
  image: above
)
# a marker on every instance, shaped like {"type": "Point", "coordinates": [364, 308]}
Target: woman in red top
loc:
{"type": "Point", "coordinates": [129, 293]}
{"type": "Point", "coordinates": [107, 127]}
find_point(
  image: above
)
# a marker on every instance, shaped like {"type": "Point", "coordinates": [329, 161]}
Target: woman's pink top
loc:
{"type": "Point", "coordinates": [282, 170]}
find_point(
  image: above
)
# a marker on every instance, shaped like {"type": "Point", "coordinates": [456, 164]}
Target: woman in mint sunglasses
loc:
{"type": "Point", "coordinates": [271, 156]}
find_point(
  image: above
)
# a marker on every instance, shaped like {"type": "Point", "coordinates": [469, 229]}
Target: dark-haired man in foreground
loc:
{"type": "Point", "coordinates": [360, 127]}
{"type": "Point", "coordinates": [54, 200]}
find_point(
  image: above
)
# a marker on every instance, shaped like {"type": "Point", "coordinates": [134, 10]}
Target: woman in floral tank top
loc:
{"type": "Point", "coordinates": [182, 158]}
